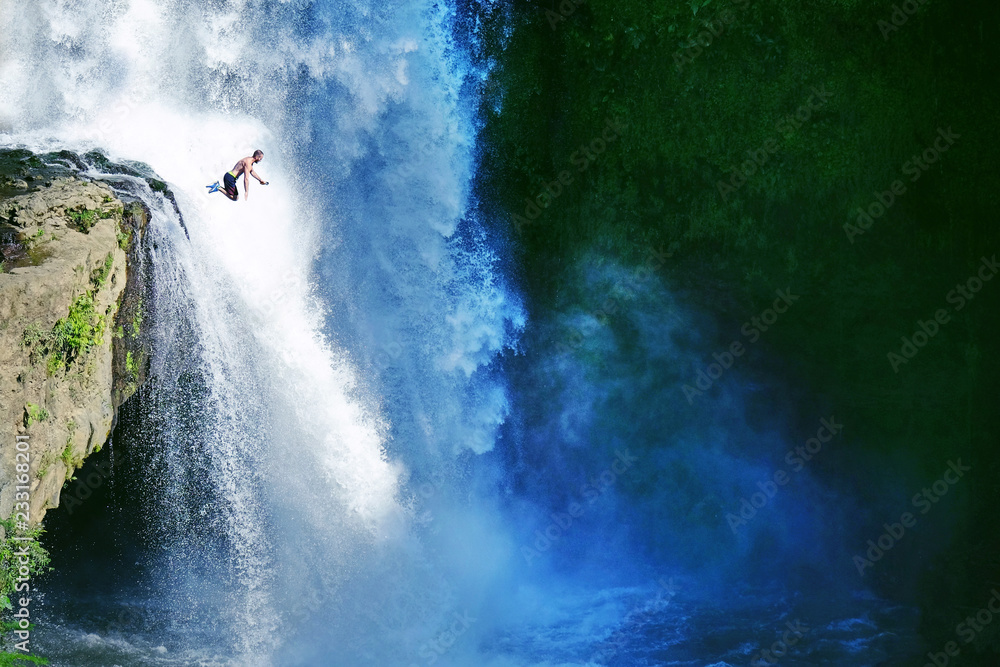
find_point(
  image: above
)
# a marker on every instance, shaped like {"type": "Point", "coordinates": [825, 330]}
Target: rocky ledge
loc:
{"type": "Point", "coordinates": [71, 318]}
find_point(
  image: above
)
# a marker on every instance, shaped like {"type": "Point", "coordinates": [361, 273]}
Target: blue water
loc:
{"type": "Point", "coordinates": [357, 448]}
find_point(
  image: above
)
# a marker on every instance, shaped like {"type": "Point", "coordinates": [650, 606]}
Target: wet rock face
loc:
{"type": "Point", "coordinates": [67, 357]}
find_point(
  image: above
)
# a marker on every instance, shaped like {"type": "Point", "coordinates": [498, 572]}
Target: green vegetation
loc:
{"type": "Point", "coordinates": [34, 338]}
{"type": "Point", "coordinates": [70, 337]}
{"type": "Point", "coordinates": [100, 275]}
{"type": "Point", "coordinates": [137, 319]}
{"type": "Point", "coordinates": [34, 414]}
{"type": "Point", "coordinates": [130, 363]}
{"type": "Point", "coordinates": [67, 457]}
{"type": "Point", "coordinates": [690, 119]}
{"type": "Point", "coordinates": [82, 219]}
{"type": "Point", "coordinates": [11, 552]}
{"type": "Point", "coordinates": [124, 238]}
{"type": "Point", "coordinates": [8, 659]}
{"type": "Point", "coordinates": [38, 557]}
{"type": "Point", "coordinates": [79, 331]}
{"type": "Point", "coordinates": [35, 239]}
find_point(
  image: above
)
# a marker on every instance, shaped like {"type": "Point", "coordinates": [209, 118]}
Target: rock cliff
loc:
{"type": "Point", "coordinates": [70, 324]}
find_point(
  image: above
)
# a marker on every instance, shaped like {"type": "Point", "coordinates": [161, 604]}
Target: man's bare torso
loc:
{"type": "Point", "coordinates": [246, 164]}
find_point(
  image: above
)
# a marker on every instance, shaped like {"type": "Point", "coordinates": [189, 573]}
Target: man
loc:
{"type": "Point", "coordinates": [245, 167]}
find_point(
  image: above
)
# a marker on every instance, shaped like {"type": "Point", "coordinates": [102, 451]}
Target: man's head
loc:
{"type": "Point", "coordinates": [258, 155]}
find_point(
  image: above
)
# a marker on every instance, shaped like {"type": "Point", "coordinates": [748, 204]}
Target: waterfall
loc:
{"type": "Point", "coordinates": [324, 349]}
{"type": "Point", "coordinates": [352, 448]}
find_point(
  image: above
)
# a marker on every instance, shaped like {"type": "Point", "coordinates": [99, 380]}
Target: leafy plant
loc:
{"type": "Point", "coordinates": [8, 659]}
{"type": "Point", "coordinates": [124, 239]}
{"type": "Point", "coordinates": [67, 455]}
{"type": "Point", "coordinates": [11, 552]}
{"type": "Point", "coordinates": [82, 219]}
{"type": "Point", "coordinates": [79, 331]}
{"type": "Point", "coordinates": [38, 557]}
{"type": "Point", "coordinates": [100, 275]}
{"type": "Point", "coordinates": [71, 336]}
{"type": "Point", "coordinates": [35, 414]}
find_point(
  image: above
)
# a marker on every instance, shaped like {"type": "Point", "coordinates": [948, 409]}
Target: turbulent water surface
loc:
{"type": "Point", "coordinates": [355, 449]}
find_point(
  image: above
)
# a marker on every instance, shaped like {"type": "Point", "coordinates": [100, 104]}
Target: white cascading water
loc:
{"type": "Point", "coordinates": [341, 322]}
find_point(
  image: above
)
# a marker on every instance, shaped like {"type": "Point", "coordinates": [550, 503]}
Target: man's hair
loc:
{"type": "Point", "coordinates": [258, 153]}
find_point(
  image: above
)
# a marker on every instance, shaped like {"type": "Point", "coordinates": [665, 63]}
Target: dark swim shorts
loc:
{"type": "Point", "coordinates": [230, 182]}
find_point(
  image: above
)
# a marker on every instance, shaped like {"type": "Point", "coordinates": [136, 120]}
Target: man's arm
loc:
{"type": "Point", "coordinates": [246, 184]}
{"type": "Point", "coordinates": [254, 174]}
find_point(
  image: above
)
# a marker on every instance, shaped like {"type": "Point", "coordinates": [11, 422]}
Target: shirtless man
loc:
{"type": "Point", "coordinates": [245, 167]}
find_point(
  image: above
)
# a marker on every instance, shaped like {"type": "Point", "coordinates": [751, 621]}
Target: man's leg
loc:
{"type": "Point", "coordinates": [231, 191]}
